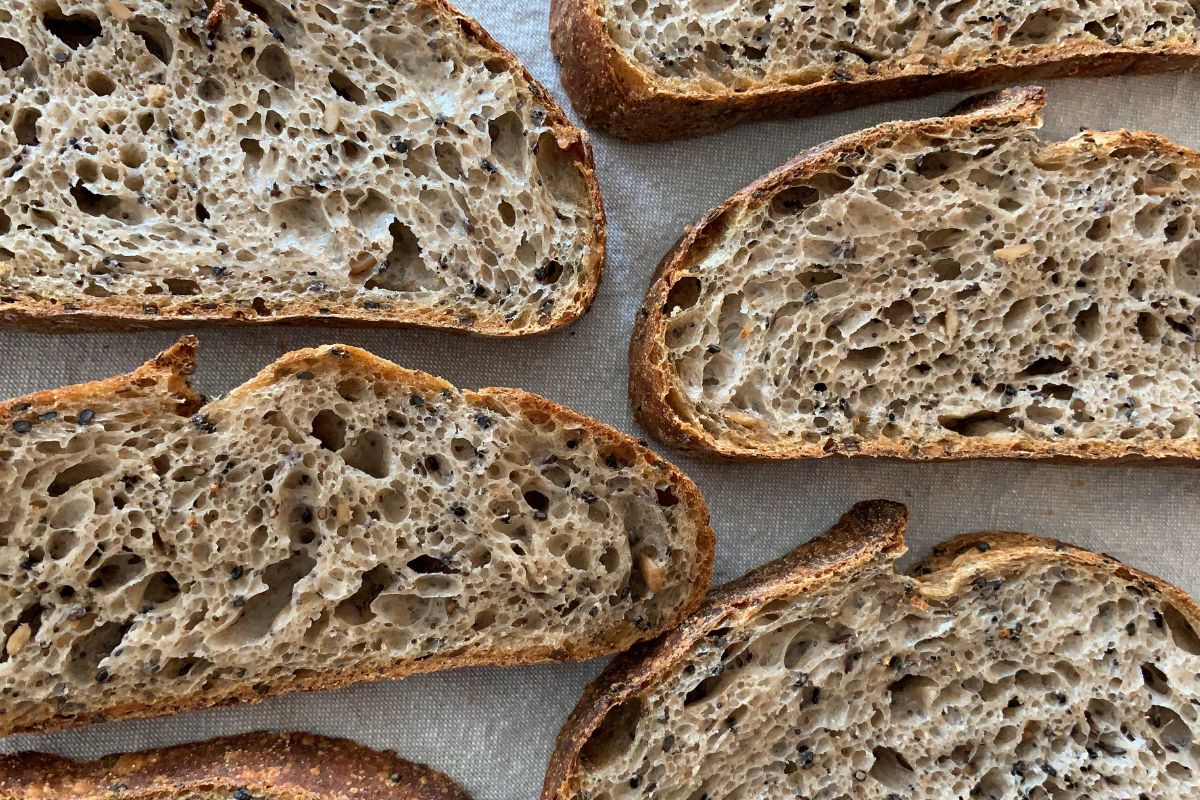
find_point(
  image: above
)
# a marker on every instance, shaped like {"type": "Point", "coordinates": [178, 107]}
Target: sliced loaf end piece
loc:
{"type": "Point", "coordinates": [334, 520]}
{"type": "Point", "coordinates": [936, 289]}
{"type": "Point", "coordinates": [1009, 665]}
{"type": "Point", "coordinates": [656, 70]}
{"type": "Point", "coordinates": [272, 766]}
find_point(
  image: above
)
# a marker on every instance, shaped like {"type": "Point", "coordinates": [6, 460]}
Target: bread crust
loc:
{"type": "Point", "coordinates": [652, 390]}
{"type": "Point", "coordinates": [870, 532]}
{"type": "Point", "coordinates": [48, 315]}
{"type": "Point", "coordinates": [178, 362]}
{"type": "Point", "coordinates": [612, 92]}
{"type": "Point", "coordinates": [287, 766]}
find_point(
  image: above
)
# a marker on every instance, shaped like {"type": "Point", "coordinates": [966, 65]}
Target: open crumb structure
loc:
{"type": "Point", "coordinates": [336, 519]}
{"type": "Point", "coordinates": [1007, 667]}
{"type": "Point", "coordinates": [258, 161]}
{"type": "Point", "coordinates": [948, 288]}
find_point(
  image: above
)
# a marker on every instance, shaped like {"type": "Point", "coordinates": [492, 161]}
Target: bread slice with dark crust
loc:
{"type": "Point", "coordinates": [614, 88]}
{"type": "Point", "coordinates": [826, 673]}
{"type": "Point", "coordinates": [938, 289]}
{"type": "Point", "coordinates": [268, 766]}
{"type": "Point", "coordinates": [376, 164]}
{"type": "Point", "coordinates": [336, 519]}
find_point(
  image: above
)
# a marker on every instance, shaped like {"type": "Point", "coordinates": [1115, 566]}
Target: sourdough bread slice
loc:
{"type": "Point", "coordinates": [650, 70]}
{"type": "Point", "coordinates": [1007, 666]}
{"type": "Point", "coordinates": [336, 519]}
{"type": "Point", "coordinates": [253, 161]}
{"type": "Point", "coordinates": [939, 289]}
{"type": "Point", "coordinates": [258, 766]}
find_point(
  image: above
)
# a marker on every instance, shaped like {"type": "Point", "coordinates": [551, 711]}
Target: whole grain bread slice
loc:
{"type": "Point", "coordinates": [265, 766]}
{"type": "Point", "coordinates": [650, 70]}
{"type": "Point", "coordinates": [1006, 665]}
{"type": "Point", "coordinates": [380, 163]}
{"type": "Point", "coordinates": [938, 289]}
{"type": "Point", "coordinates": [334, 520]}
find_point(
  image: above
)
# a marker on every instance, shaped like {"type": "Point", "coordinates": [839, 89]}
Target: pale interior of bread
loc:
{"type": "Point", "coordinates": [329, 519]}
{"type": "Point", "coordinates": [724, 45]}
{"type": "Point", "coordinates": [319, 157]}
{"type": "Point", "coordinates": [955, 283]}
{"type": "Point", "coordinates": [1045, 682]}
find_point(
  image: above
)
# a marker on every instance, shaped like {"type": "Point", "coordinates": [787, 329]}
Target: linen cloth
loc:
{"type": "Point", "coordinates": [493, 730]}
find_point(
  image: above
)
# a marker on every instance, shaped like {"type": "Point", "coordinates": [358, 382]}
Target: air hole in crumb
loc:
{"type": "Point", "coordinates": [77, 474]}
{"type": "Point", "coordinates": [352, 389]}
{"type": "Point", "coordinates": [356, 609]}
{"type": "Point", "coordinates": [793, 200]}
{"type": "Point", "coordinates": [1045, 366]}
{"type": "Point", "coordinates": [212, 91]}
{"type": "Point", "coordinates": [613, 736]}
{"type": "Point", "coordinates": [117, 571]}
{"type": "Point", "coordinates": [100, 84]}
{"type": "Point", "coordinates": [683, 295]}
{"type": "Point", "coordinates": [12, 53]}
{"type": "Point", "coordinates": [154, 35]}
{"type": "Point", "coordinates": [259, 613]}
{"type": "Point", "coordinates": [981, 423]}
{"type": "Point", "coordinates": [275, 64]}
{"type": "Point", "coordinates": [182, 286]}
{"type": "Point", "coordinates": [329, 429]}
{"type": "Point", "coordinates": [425, 564]}
{"type": "Point", "coordinates": [75, 30]}
{"type": "Point", "coordinates": [83, 661]}
{"type": "Point", "coordinates": [1182, 631]}
{"type": "Point", "coordinates": [346, 88]}
{"type": "Point", "coordinates": [161, 587]}
{"type": "Point", "coordinates": [25, 125]}
{"type": "Point", "coordinates": [369, 453]}
{"type": "Point", "coordinates": [891, 769]}
{"type": "Point", "coordinates": [536, 500]}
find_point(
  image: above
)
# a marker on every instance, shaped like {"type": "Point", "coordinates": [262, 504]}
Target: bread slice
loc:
{"type": "Point", "coordinates": [172, 164]}
{"type": "Point", "coordinates": [1007, 666]}
{"type": "Point", "coordinates": [650, 70]}
{"type": "Point", "coordinates": [336, 519]}
{"type": "Point", "coordinates": [267, 766]}
{"type": "Point", "coordinates": [942, 289]}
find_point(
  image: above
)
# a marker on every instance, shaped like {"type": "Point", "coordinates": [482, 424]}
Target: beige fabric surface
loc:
{"type": "Point", "coordinates": [492, 730]}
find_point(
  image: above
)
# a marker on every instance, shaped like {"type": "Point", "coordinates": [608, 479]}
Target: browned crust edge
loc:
{"type": "Point", "coordinates": [290, 766]}
{"type": "Point", "coordinates": [651, 387]}
{"type": "Point", "coordinates": [116, 314]}
{"type": "Point", "coordinates": [613, 93]}
{"type": "Point", "coordinates": [869, 532]}
{"type": "Point", "coordinates": [178, 362]}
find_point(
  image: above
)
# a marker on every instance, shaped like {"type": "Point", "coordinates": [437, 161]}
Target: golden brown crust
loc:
{"type": "Point", "coordinates": [652, 391]}
{"type": "Point", "coordinates": [287, 766]}
{"type": "Point", "coordinates": [870, 532]}
{"type": "Point", "coordinates": [613, 93]}
{"type": "Point", "coordinates": [178, 362]}
{"type": "Point", "coordinates": [49, 315]}
{"type": "Point", "coordinates": [867, 532]}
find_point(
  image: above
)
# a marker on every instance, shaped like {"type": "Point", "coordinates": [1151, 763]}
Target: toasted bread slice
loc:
{"type": "Point", "coordinates": [270, 766]}
{"type": "Point", "coordinates": [1006, 666]}
{"type": "Point", "coordinates": [940, 289]}
{"type": "Point", "coordinates": [649, 70]}
{"type": "Point", "coordinates": [382, 163]}
{"type": "Point", "coordinates": [336, 519]}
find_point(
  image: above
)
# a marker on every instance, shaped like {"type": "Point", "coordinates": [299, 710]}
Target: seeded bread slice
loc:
{"type": "Point", "coordinates": [383, 163]}
{"type": "Point", "coordinates": [649, 70]}
{"type": "Point", "coordinates": [1005, 666]}
{"type": "Point", "coordinates": [257, 766]}
{"type": "Point", "coordinates": [940, 289]}
{"type": "Point", "coordinates": [337, 519]}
